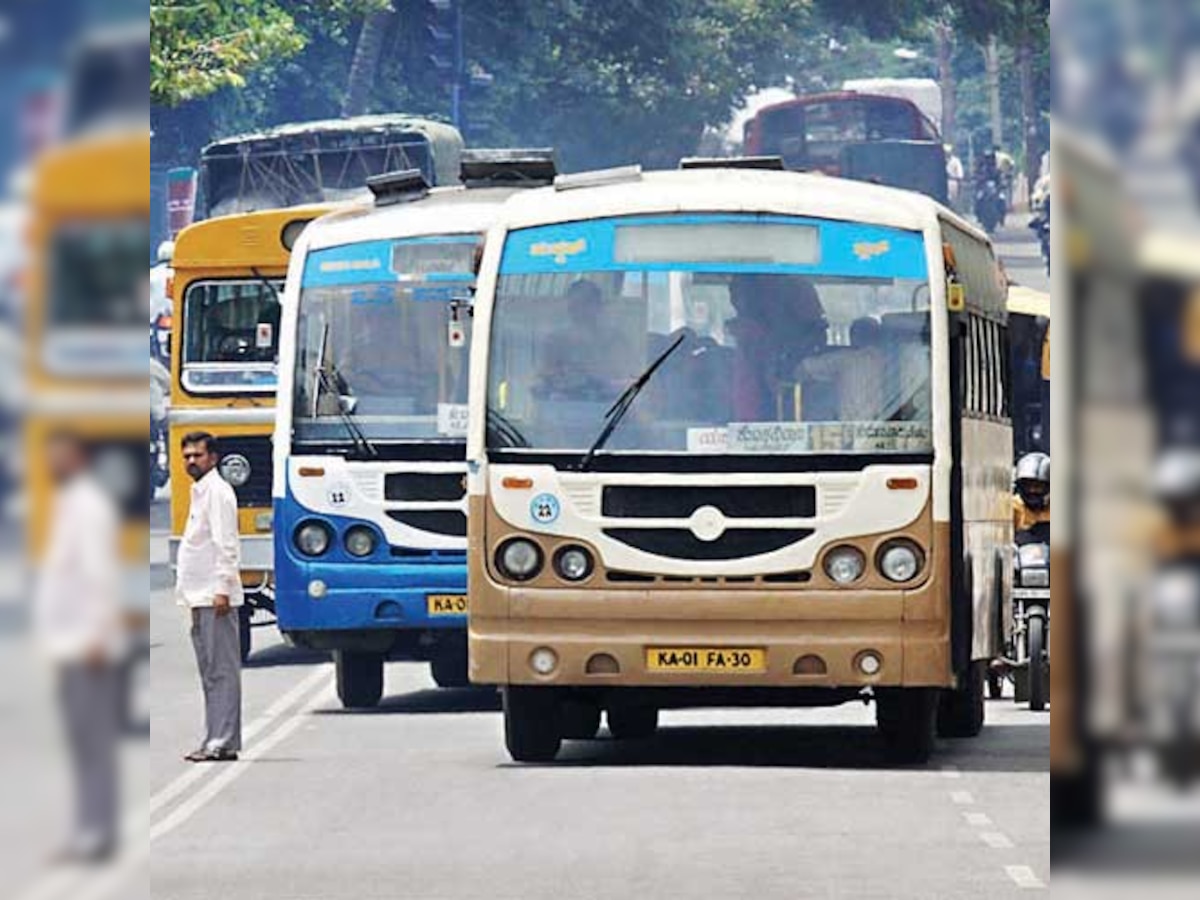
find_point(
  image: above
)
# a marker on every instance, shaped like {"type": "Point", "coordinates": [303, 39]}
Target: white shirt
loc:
{"type": "Point", "coordinates": [210, 551]}
{"type": "Point", "coordinates": [77, 606]}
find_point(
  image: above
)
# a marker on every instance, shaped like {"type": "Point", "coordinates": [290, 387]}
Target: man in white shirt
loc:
{"type": "Point", "coordinates": [209, 584]}
{"type": "Point", "coordinates": [79, 628]}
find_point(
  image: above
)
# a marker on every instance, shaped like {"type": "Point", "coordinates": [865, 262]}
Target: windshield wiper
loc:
{"type": "Point", "coordinates": [331, 380]}
{"type": "Point", "coordinates": [500, 426]}
{"type": "Point", "coordinates": [617, 411]}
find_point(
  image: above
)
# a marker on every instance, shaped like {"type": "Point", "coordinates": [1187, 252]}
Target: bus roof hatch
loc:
{"type": "Point", "coordinates": [398, 187]}
{"type": "Point", "coordinates": [769, 163]}
{"type": "Point", "coordinates": [532, 167]}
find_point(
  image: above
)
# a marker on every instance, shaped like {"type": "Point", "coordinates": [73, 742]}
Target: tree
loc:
{"type": "Point", "coordinates": [365, 66]}
{"type": "Point", "coordinates": [200, 46]}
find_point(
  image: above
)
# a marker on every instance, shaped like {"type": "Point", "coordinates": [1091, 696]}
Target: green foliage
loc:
{"type": "Point", "coordinates": [197, 48]}
{"type": "Point", "coordinates": [605, 83]}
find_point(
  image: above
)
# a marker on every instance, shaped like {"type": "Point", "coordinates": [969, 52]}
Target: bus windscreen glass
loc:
{"type": "Point", "coordinates": [374, 339]}
{"type": "Point", "coordinates": [817, 346]}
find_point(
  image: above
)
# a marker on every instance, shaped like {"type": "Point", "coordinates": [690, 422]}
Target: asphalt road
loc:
{"type": "Point", "coordinates": [419, 800]}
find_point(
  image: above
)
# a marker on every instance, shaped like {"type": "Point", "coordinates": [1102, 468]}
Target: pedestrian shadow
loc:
{"type": "Point", "coordinates": [280, 655]}
{"type": "Point", "coordinates": [782, 746]}
{"type": "Point", "coordinates": [429, 701]}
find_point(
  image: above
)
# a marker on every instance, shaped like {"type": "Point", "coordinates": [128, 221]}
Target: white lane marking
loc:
{"type": "Point", "coordinates": [962, 798]}
{"type": "Point", "coordinates": [1024, 877]}
{"type": "Point", "coordinates": [230, 772]}
{"type": "Point", "coordinates": [274, 711]}
{"type": "Point", "coordinates": [951, 772]}
{"type": "Point", "coordinates": [978, 819]}
{"type": "Point", "coordinates": [996, 840]}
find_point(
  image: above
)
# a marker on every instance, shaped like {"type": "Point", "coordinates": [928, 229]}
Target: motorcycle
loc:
{"type": "Point", "coordinates": [990, 207]}
{"type": "Point", "coordinates": [1030, 660]}
{"type": "Point", "coordinates": [160, 382]}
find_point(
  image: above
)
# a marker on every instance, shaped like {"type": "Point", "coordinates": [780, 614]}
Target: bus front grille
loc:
{"type": "Point", "coordinates": [736, 502]}
{"type": "Point", "coordinates": [680, 543]}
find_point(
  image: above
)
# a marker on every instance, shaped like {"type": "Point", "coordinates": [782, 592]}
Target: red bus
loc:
{"type": "Point", "coordinates": [870, 137]}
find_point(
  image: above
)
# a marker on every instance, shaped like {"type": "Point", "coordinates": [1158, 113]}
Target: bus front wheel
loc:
{"type": "Point", "coordinates": [960, 713]}
{"type": "Point", "coordinates": [531, 724]}
{"type": "Point", "coordinates": [906, 719]}
{"type": "Point", "coordinates": [359, 678]}
{"type": "Point", "coordinates": [449, 666]}
{"type": "Point", "coordinates": [627, 723]}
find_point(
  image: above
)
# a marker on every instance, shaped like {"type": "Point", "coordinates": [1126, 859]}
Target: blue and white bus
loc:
{"type": "Point", "coordinates": [369, 489]}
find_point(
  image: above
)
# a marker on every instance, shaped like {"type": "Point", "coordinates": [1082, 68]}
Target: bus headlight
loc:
{"type": "Point", "coordinates": [519, 559]}
{"type": "Point", "coordinates": [845, 564]}
{"type": "Point", "coordinates": [313, 538]}
{"type": "Point", "coordinates": [573, 563]}
{"type": "Point", "coordinates": [235, 469]}
{"type": "Point", "coordinates": [900, 560]}
{"type": "Point", "coordinates": [360, 541]}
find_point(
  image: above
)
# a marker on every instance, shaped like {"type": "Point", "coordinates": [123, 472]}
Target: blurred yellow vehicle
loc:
{"type": "Point", "coordinates": [228, 277]}
{"type": "Point", "coordinates": [86, 302]}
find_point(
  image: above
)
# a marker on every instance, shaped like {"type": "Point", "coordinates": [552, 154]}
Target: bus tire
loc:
{"type": "Point", "coordinates": [961, 711]}
{"type": "Point", "coordinates": [245, 643]}
{"type": "Point", "coordinates": [449, 667]}
{"type": "Point", "coordinates": [531, 723]}
{"type": "Point", "coordinates": [580, 720]}
{"type": "Point", "coordinates": [1037, 663]}
{"type": "Point", "coordinates": [359, 678]}
{"type": "Point", "coordinates": [631, 723]}
{"type": "Point", "coordinates": [907, 718]}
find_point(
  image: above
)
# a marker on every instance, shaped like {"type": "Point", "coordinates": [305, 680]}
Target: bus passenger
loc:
{"type": "Point", "coordinates": [583, 362]}
{"type": "Point", "coordinates": [780, 322]}
{"type": "Point", "coordinates": [857, 374]}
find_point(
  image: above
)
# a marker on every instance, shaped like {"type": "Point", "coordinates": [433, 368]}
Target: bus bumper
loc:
{"type": "Point", "coordinates": [335, 597]}
{"type": "Point", "coordinates": [605, 653]}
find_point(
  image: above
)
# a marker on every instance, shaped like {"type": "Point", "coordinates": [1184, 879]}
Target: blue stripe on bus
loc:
{"type": "Point", "coordinates": [847, 249]}
{"type": "Point", "coordinates": [370, 262]}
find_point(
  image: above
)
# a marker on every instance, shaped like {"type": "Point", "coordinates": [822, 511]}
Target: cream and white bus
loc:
{"type": "Point", "coordinates": [737, 437]}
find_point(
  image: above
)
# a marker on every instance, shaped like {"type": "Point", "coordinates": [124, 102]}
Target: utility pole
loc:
{"type": "Point", "coordinates": [459, 66]}
{"type": "Point", "coordinates": [991, 55]}
{"type": "Point", "coordinates": [944, 36]}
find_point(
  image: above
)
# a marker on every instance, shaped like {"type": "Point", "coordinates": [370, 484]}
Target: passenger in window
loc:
{"type": "Point", "coordinates": [584, 358]}
{"type": "Point", "coordinates": [855, 376]}
{"type": "Point", "coordinates": [779, 323]}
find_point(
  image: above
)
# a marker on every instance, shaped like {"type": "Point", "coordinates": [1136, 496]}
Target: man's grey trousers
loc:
{"type": "Point", "coordinates": [219, 658]}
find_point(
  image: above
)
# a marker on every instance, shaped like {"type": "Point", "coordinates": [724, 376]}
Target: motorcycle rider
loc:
{"type": "Point", "coordinates": [1031, 501]}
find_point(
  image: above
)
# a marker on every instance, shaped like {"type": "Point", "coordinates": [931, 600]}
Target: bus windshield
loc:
{"type": "Point", "coordinates": [98, 276]}
{"type": "Point", "coordinates": [231, 335]}
{"type": "Point", "coordinates": [373, 341]}
{"type": "Point", "coordinates": [799, 336]}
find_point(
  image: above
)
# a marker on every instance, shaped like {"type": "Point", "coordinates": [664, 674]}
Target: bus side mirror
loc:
{"type": "Point", "coordinates": [347, 403]}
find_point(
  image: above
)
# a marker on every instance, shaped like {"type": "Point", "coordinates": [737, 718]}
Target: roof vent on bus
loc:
{"type": "Point", "coordinates": [767, 163]}
{"type": "Point", "coordinates": [398, 187]}
{"type": "Point", "coordinates": [517, 166]}
{"type": "Point", "coordinates": [598, 178]}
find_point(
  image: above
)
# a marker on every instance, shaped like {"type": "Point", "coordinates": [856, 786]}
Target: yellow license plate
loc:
{"type": "Point", "coordinates": [706, 659]}
{"type": "Point", "coordinates": [447, 604]}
